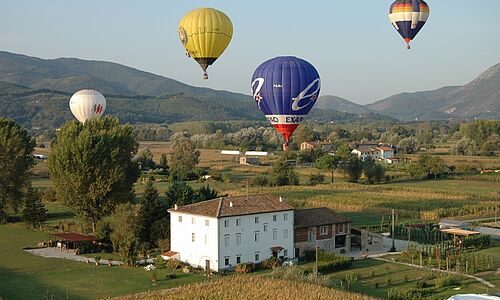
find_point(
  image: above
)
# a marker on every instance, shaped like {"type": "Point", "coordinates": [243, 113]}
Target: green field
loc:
{"type": "Point", "coordinates": [26, 276]}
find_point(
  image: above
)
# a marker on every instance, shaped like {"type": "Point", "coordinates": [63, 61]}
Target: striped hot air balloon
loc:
{"type": "Point", "coordinates": [408, 17]}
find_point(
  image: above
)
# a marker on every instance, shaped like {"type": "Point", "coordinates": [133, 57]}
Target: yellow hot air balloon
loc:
{"type": "Point", "coordinates": [205, 33]}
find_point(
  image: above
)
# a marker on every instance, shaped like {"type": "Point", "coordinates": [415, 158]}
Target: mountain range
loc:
{"type": "Point", "coordinates": [36, 91]}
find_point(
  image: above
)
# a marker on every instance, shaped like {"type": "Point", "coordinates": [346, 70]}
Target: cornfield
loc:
{"type": "Point", "coordinates": [248, 287]}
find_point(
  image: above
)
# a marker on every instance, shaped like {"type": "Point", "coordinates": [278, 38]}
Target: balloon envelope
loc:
{"type": "Point", "coordinates": [205, 33]}
{"type": "Point", "coordinates": [285, 89]}
{"type": "Point", "coordinates": [408, 17]}
{"type": "Point", "coordinates": [87, 104]}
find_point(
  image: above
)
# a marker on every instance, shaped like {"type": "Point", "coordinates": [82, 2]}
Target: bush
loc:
{"type": "Point", "coordinates": [446, 280]}
{"type": "Point", "coordinates": [479, 241]}
{"type": "Point", "coordinates": [270, 263]}
{"type": "Point", "coordinates": [315, 179]}
{"type": "Point", "coordinates": [260, 180]}
{"type": "Point", "coordinates": [404, 294]}
{"type": "Point", "coordinates": [160, 262]}
{"type": "Point", "coordinates": [174, 264]}
{"type": "Point", "coordinates": [244, 268]}
{"type": "Point", "coordinates": [87, 247]}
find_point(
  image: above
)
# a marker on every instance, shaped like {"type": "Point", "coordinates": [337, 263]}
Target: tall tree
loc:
{"type": "Point", "coordinates": [369, 169]}
{"type": "Point", "coordinates": [183, 159]}
{"type": "Point", "coordinates": [16, 161]}
{"type": "Point", "coordinates": [327, 163]}
{"type": "Point", "coordinates": [123, 235]}
{"type": "Point", "coordinates": [283, 173]}
{"type": "Point", "coordinates": [34, 209]}
{"type": "Point", "coordinates": [145, 159]}
{"type": "Point", "coordinates": [91, 166]}
{"type": "Point", "coordinates": [206, 193]}
{"type": "Point", "coordinates": [151, 211]}
{"type": "Point", "coordinates": [180, 193]}
{"type": "Point", "coordinates": [163, 163]}
{"type": "Point", "coordinates": [354, 168]}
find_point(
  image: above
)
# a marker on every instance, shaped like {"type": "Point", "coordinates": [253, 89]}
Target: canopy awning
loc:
{"type": "Point", "coordinates": [277, 248]}
{"type": "Point", "coordinates": [73, 237]}
{"type": "Point", "coordinates": [463, 232]}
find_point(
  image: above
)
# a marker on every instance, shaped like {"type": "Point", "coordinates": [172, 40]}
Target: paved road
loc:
{"type": "Point", "coordinates": [57, 253]}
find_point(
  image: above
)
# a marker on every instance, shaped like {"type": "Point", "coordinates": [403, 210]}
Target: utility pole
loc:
{"type": "Point", "coordinates": [393, 248]}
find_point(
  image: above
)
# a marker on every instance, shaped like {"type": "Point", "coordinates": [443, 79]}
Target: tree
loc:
{"type": "Point", "coordinates": [180, 193]}
{"type": "Point", "coordinates": [145, 159]}
{"type": "Point", "coordinates": [16, 161]}
{"type": "Point", "coordinates": [283, 173]}
{"type": "Point", "coordinates": [369, 165]}
{"type": "Point", "coordinates": [123, 235]}
{"type": "Point", "coordinates": [91, 167]}
{"type": "Point", "coordinates": [206, 193]}
{"type": "Point", "coordinates": [34, 209]}
{"type": "Point", "coordinates": [163, 163]}
{"type": "Point", "coordinates": [327, 163]}
{"type": "Point", "coordinates": [354, 168]}
{"type": "Point", "coordinates": [408, 145]}
{"type": "Point", "coordinates": [151, 211]}
{"type": "Point", "coordinates": [379, 173]}
{"type": "Point", "coordinates": [183, 159]}
{"type": "Point", "coordinates": [305, 133]}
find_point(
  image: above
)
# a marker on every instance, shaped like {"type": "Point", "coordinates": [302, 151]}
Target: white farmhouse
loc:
{"type": "Point", "coordinates": [221, 233]}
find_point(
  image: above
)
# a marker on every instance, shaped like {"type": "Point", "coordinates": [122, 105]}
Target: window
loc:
{"type": "Point", "coordinates": [180, 219]}
{"type": "Point", "coordinates": [257, 257]}
{"type": "Point", "coordinates": [193, 221]}
{"type": "Point", "coordinates": [207, 223]}
{"type": "Point", "coordinates": [323, 230]}
{"type": "Point", "coordinates": [256, 236]}
{"type": "Point", "coordinates": [275, 234]}
{"type": "Point", "coordinates": [192, 237]}
{"type": "Point", "coordinates": [226, 223]}
{"type": "Point", "coordinates": [256, 220]}
{"type": "Point", "coordinates": [226, 261]}
{"type": "Point", "coordinates": [226, 240]}
{"type": "Point", "coordinates": [238, 259]}
{"type": "Point", "coordinates": [285, 253]}
{"type": "Point", "coordinates": [274, 218]}
{"type": "Point", "coordinates": [285, 233]}
{"type": "Point", "coordinates": [285, 217]}
{"type": "Point", "coordinates": [238, 239]}
{"type": "Point", "coordinates": [265, 227]}
{"type": "Point", "coordinates": [238, 222]}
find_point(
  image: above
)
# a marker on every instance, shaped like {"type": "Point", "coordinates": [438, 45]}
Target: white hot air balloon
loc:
{"type": "Point", "coordinates": [87, 104]}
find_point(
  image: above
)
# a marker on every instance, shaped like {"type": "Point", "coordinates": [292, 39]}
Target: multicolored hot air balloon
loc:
{"type": "Point", "coordinates": [87, 104]}
{"type": "Point", "coordinates": [205, 33]}
{"type": "Point", "coordinates": [408, 17]}
{"type": "Point", "coordinates": [285, 89]}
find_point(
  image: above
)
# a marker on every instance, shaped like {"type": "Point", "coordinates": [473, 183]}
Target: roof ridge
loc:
{"type": "Point", "coordinates": [220, 207]}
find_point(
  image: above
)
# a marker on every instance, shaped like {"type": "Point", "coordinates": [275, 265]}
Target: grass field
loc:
{"type": "Point", "coordinates": [26, 276]}
{"type": "Point", "coordinates": [371, 272]}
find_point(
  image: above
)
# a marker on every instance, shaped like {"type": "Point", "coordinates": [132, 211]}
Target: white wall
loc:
{"type": "Point", "coordinates": [194, 253]}
{"type": "Point", "coordinates": [247, 229]}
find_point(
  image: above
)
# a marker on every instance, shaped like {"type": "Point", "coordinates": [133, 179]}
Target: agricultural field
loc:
{"type": "Point", "coordinates": [243, 287]}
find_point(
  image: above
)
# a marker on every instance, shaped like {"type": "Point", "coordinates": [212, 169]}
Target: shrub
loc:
{"type": "Point", "coordinates": [260, 180]}
{"type": "Point", "coordinates": [87, 247]}
{"type": "Point", "coordinates": [244, 268]}
{"type": "Point", "coordinates": [315, 179]}
{"type": "Point", "coordinates": [479, 241]}
{"type": "Point", "coordinates": [270, 263]}
{"type": "Point", "coordinates": [446, 281]}
{"type": "Point", "coordinates": [174, 264]}
{"type": "Point", "coordinates": [404, 294]}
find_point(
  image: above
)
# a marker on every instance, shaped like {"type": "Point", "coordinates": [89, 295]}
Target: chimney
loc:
{"type": "Point", "coordinates": [281, 198]}
{"type": "Point", "coordinates": [230, 203]}
{"type": "Point", "coordinates": [175, 207]}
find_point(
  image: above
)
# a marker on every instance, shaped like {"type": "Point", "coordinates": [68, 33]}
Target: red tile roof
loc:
{"type": "Point", "coordinates": [317, 217]}
{"type": "Point", "coordinates": [385, 148]}
{"type": "Point", "coordinates": [170, 253]}
{"type": "Point", "coordinates": [235, 206]}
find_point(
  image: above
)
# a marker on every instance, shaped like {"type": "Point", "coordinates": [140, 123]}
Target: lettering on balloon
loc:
{"type": "Point", "coordinates": [308, 92]}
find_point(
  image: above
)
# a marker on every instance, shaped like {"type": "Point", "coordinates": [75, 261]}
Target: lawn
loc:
{"type": "Point", "coordinates": [26, 276]}
{"type": "Point", "coordinates": [390, 275]}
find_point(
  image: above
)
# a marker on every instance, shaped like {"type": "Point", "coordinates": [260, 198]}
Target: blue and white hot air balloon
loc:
{"type": "Point", "coordinates": [285, 89]}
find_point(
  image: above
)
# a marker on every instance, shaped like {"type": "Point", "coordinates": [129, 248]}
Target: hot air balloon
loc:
{"type": "Point", "coordinates": [87, 104]}
{"type": "Point", "coordinates": [285, 89]}
{"type": "Point", "coordinates": [205, 33]}
{"type": "Point", "coordinates": [408, 17]}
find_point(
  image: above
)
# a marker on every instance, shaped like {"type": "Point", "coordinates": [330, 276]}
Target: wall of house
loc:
{"type": "Point", "coordinates": [326, 242]}
{"type": "Point", "coordinates": [205, 244]}
{"type": "Point", "coordinates": [248, 247]}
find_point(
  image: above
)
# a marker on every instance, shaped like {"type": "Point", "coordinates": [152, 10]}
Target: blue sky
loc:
{"type": "Point", "coordinates": [357, 52]}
